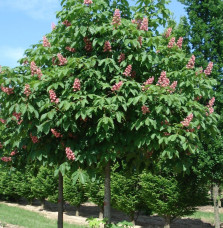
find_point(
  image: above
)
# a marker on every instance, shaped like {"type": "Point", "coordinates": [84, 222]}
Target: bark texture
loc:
{"type": "Point", "coordinates": [216, 203]}
{"type": "Point", "coordinates": [107, 197]}
{"type": "Point", "coordinates": [60, 202]}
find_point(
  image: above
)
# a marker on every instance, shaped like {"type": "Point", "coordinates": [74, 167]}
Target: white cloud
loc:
{"type": "Point", "coordinates": [10, 55]}
{"type": "Point", "coordinates": [37, 9]}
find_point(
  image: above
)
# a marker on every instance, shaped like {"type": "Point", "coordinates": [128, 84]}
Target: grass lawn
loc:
{"type": "Point", "coordinates": [28, 219]}
{"type": "Point", "coordinates": [206, 216]}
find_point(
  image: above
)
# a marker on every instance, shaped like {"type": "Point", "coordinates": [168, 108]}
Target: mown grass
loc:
{"type": "Point", "coordinates": [205, 216]}
{"type": "Point", "coordinates": [28, 219]}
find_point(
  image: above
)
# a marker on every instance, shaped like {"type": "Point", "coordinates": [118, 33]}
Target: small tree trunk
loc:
{"type": "Point", "coordinates": [42, 204]}
{"type": "Point", "coordinates": [107, 197]}
{"type": "Point", "coordinates": [133, 218]}
{"type": "Point", "coordinates": [167, 222]}
{"type": "Point", "coordinates": [216, 209]}
{"type": "Point", "coordinates": [60, 202]}
{"type": "Point", "coordinates": [101, 212]}
{"type": "Point", "coordinates": [77, 213]}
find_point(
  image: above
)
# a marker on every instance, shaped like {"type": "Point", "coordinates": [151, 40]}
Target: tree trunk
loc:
{"type": "Point", "coordinates": [60, 202]}
{"type": "Point", "coordinates": [77, 213]}
{"type": "Point", "coordinates": [101, 212]}
{"type": "Point", "coordinates": [42, 204]}
{"type": "Point", "coordinates": [216, 209]}
{"type": "Point", "coordinates": [167, 222]}
{"type": "Point", "coordinates": [107, 197]}
{"type": "Point", "coordinates": [133, 218]}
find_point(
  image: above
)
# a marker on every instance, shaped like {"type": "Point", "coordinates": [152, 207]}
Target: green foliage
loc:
{"type": "Point", "coordinates": [74, 193]}
{"type": "Point", "coordinates": [94, 222]}
{"type": "Point", "coordinates": [172, 196]}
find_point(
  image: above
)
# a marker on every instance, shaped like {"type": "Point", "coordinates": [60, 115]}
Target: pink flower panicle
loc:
{"type": "Point", "coordinates": [208, 70]}
{"type": "Point", "coordinates": [27, 90]}
{"type": "Point", "coordinates": [117, 86]}
{"type": "Point", "coordinates": [76, 85]}
{"type": "Point", "coordinates": [140, 40]}
{"type": "Point", "coordinates": [7, 90]}
{"type": "Point", "coordinates": [53, 97]}
{"type": "Point", "coordinates": [6, 159]}
{"type": "Point", "coordinates": [53, 26]}
{"type": "Point", "coordinates": [63, 61]}
{"type": "Point", "coordinates": [56, 134]}
{"type": "Point", "coordinates": [70, 154]}
{"type": "Point", "coordinates": [121, 57]}
{"type": "Point", "coordinates": [191, 63]}
{"type": "Point", "coordinates": [2, 121]}
{"type": "Point", "coordinates": [145, 109]}
{"type": "Point", "coordinates": [70, 49]}
{"type": "Point", "coordinates": [171, 43]}
{"type": "Point", "coordinates": [187, 120]}
{"type": "Point", "coordinates": [173, 87]}
{"type": "Point", "coordinates": [144, 24]}
{"type": "Point", "coordinates": [168, 32]}
{"type": "Point", "coordinates": [88, 44]}
{"type": "Point", "coordinates": [46, 42]}
{"type": "Point", "coordinates": [180, 42]}
{"type": "Point", "coordinates": [66, 23]}
{"type": "Point", "coordinates": [210, 106]}
{"type": "Point", "coordinates": [17, 115]}
{"type": "Point", "coordinates": [163, 81]}
{"type": "Point", "coordinates": [116, 18]}
{"type": "Point", "coordinates": [147, 82]}
{"type": "Point", "coordinates": [107, 47]}
{"type": "Point", "coordinates": [13, 153]}
{"type": "Point", "coordinates": [88, 2]}
{"type": "Point", "coordinates": [34, 138]}
{"type": "Point", "coordinates": [35, 70]}
{"type": "Point", "coordinates": [128, 70]}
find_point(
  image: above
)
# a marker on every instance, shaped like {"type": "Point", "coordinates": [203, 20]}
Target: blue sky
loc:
{"type": "Point", "coordinates": [24, 22]}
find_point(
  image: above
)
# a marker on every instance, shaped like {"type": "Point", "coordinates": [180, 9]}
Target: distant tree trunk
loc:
{"type": "Point", "coordinates": [101, 212]}
{"type": "Point", "coordinates": [107, 197]}
{"type": "Point", "coordinates": [167, 222]}
{"type": "Point", "coordinates": [216, 209]}
{"type": "Point", "coordinates": [133, 218]}
{"type": "Point", "coordinates": [60, 202]}
{"type": "Point", "coordinates": [77, 213]}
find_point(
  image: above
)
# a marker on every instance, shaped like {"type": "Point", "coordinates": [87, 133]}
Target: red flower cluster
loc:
{"type": "Point", "coordinates": [87, 2]}
{"type": "Point", "coordinates": [6, 159]}
{"type": "Point", "coordinates": [35, 70]}
{"type": "Point", "coordinates": [13, 153]}
{"type": "Point", "coordinates": [180, 42]}
{"type": "Point", "coordinates": [77, 85]}
{"type": "Point", "coordinates": [147, 82]}
{"type": "Point", "coordinates": [145, 109]}
{"type": "Point", "coordinates": [70, 49]}
{"type": "Point", "coordinates": [70, 154]}
{"type": "Point", "coordinates": [88, 44]}
{"type": "Point", "coordinates": [163, 81]}
{"type": "Point", "coordinates": [116, 18]}
{"type": "Point", "coordinates": [66, 23]}
{"type": "Point", "coordinates": [128, 70]}
{"type": "Point", "coordinates": [27, 90]}
{"type": "Point", "coordinates": [210, 106]}
{"type": "Point", "coordinates": [173, 87]}
{"type": "Point", "coordinates": [53, 26]}
{"type": "Point", "coordinates": [171, 43]}
{"type": "Point", "coordinates": [107, 47]}
{"type": "Point", "coordinates": [63, 61]}
{"type": "Point", "coordinates": [53, 97]}
{"type": "Point", "coordinates": [117, 86]}
{"type": "Point", "coordinates": [34, 138]}
{"type": "Point", "coordinates": [46, 43]}
{"type": "Point", "coordinates": [2, 121]}
{"type": "Point", "coordinates": [56, 134]}
{"type": "Point", "coordinates": [144, 24]}
{"type": "Point", "coordinates": [7, 90]}
{"type": "Point", "coordinates": [187, 120]}
{"type": "Point", "coordinates": [121, 57]}
{"type": "Point", "coordinates": [208, 70]}
{"type": "Point", "coordinates": [168, 32]}
{"type": "Point", "coordinates": [191, 62]}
